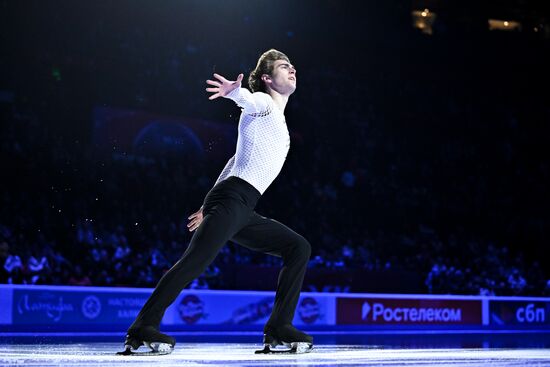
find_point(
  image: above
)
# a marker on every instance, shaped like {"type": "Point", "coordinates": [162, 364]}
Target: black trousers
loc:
{"type": "Point", "coordinates": [228, 214]}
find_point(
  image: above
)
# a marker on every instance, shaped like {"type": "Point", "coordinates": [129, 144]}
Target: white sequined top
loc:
{"type": "Point", "coordinates": [262, 143]}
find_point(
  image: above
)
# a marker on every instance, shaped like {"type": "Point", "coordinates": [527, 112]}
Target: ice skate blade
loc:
{"type": "Point", "coordinates": [293, 348]}
{"type": "Point", "coordinates": [155, 349]}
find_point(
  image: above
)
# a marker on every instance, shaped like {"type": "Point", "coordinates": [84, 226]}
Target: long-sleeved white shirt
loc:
{"type": "Point", "coordinates": [263, 140]}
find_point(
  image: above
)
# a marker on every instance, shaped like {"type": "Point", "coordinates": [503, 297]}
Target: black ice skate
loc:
{"type": "Point", "coordinates": [157, 342]}
{"type": "Point", "coordinates": [293, 340]}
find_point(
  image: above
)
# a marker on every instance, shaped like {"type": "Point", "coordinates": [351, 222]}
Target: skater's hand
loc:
{"type": "Point", "coordinates": [222, 86]}
{"type": "Point", "coordinates": [195, 220]}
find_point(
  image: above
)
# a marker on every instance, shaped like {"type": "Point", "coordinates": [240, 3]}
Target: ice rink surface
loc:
{"type": "Point", "coordinates": [330, 350]}
{"type": "Point", "coordinates": [229, 354]}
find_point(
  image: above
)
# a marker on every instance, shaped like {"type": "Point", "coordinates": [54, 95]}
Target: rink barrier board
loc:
{"type": "Point", "coordinates": [35, 308]}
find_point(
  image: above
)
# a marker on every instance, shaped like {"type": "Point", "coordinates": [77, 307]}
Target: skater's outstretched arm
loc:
{"type": "Point", "coordinates": [251, 103]}
{"type": "Point", "coordinates": [222, 87]}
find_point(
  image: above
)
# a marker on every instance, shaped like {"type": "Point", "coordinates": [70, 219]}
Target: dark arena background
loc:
{"type": "Point", "coordinates": [418, 170]}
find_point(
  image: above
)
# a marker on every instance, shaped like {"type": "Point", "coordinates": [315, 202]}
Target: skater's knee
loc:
{"type": "Point", "coordinates": [303, 248]}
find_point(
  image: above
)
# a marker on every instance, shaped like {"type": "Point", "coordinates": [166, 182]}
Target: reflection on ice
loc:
{"type": "Point", "coordinates": [234, 354]}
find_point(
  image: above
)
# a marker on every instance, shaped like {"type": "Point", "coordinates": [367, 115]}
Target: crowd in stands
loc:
{"type": "Point", "coordinates": [422, 173]}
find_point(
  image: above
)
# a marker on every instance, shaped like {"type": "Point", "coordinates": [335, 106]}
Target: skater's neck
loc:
{"type": "Point", "coordinates": [280, 99]}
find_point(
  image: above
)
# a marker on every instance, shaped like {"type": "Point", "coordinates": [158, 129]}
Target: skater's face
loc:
{"type": "Point", "coordinates": [283, 77]}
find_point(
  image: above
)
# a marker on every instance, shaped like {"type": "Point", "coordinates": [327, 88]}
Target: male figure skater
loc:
{"type": "Point", "coordinates": [228, 212]}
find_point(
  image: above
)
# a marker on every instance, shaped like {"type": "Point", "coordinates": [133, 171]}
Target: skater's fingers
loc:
{"type": "Point", "coordinates": [220, 78]}
{"type": "Point", "coordinates": [213, 82]}
{"type": "Point", "coordinates": [215, 90]}
{"type": "Point", "coordinates": [240, 78]}
{"type": "Point", "coordinates": [194, 214]}
{"type": "Point", "coordinates": [195, 222]}
{"type": "Point", "coordinates": [214, 96]}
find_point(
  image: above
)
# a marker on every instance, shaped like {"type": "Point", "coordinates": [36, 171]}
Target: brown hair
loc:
{"type": "Point", "coordinates": [264, 66]}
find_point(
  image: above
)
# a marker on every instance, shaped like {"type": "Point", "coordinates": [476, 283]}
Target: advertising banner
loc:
{"type": "Point", "coordinates": [194, 308]}
{"type": "Point", "coordinates": [519, 313]}
{"type": "Point", "coordinates": [97, 306]}
{"type": "Point", "coordinates": [408, 311]}
{"type": "Point", "coordinates": [49, 306]}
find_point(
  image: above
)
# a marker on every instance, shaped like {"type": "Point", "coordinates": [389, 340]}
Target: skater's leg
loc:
{"type": "Point", "coordinates": [269, 236]}
{"type": "Point", "coordinates": [227, 208]}
{"type": "Point", "coordinates": [217, 227]}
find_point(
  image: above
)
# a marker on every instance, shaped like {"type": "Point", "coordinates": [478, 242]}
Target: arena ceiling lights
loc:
{"type": "Point", "coordinates": [504, 25]}
{"type": "Point", "coordinates": [423, 20]}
